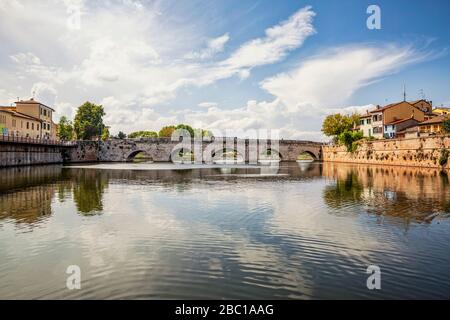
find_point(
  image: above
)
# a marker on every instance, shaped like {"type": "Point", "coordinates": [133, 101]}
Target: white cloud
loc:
{"type": "Point", "coordinates": [27, 58]}
{"type": "Point", "coordinates": [213, 47]}
{"type": "Point", "coordinates": [208, 104]}
{"type": "Point", "coordinates": [328, 80]}
{"type": "Point", "coordinates": [44, 92]}
{"type": "Point", "coordinates": [132, 59]}
{"type": "Point", "coordinates": [127, 51]}
{"type": "Point", "coordinates": [279, 40]}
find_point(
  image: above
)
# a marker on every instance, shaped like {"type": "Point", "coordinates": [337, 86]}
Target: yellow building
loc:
{"type": "Point", "coordinates": [441, 111]}
{"type": "Point", "coordinates": [28, 119]}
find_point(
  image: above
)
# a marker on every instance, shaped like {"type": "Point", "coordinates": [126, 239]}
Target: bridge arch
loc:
{"type": "Point", "coordinates": [314, 156]}
{"type": "Point", "coordinates": [178, 155]}
{"type": "Point", "coordinates": [228, 154]}
{"type": "Point", "coordinates": [130, 157]}
{"type": "Point", "coordinates": [270, 153]}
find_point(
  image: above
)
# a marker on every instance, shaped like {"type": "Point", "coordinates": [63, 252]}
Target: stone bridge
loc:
{"type": "Point", "coordinates": [164, 149]}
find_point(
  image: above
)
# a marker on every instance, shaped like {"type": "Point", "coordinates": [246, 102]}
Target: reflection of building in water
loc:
{"type": "Point", "coordinates": [27, 206]}
{"type": "Point", "coordinates": [410, 193]}
{"type": "Point", "coordinates": [22, 177]}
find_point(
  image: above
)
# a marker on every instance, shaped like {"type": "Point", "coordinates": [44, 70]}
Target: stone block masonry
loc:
{"type": "Point", "coordinates": [419, 152]}
{"type": "Point", "coordinates": [22, 155]}
{"type": "Point", "coordinates": [19, 153]}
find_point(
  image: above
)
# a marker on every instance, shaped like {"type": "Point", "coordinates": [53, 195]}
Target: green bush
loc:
{"type": "Point", "coordinates": [444, 157]}
{"type": "Point", "coordinates": [446, 126]}
{"type": "Point", "coordinates": [349, 138]}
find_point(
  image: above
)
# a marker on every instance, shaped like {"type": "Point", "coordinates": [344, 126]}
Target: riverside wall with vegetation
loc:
{"type": "Point", "coordinates": [428, 152]}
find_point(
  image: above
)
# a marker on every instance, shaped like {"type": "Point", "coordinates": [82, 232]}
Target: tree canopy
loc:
{"type": "Point", "coordinates": [335, 124]}
{"type": "Point", "coordinates": [143, 134]}
{"type": "Point", "coordinates": [166, 132]}
{"type": "Point", "coordinates": [88, 121]}
{"type": "Point", "coordinates": [446, 126]}
{"type": "Point", "coordinates": [65, 129]}
{"type": "Point", "coordinates": [105, 134]}
{"type": "Point", "coordinates": [186, 127]}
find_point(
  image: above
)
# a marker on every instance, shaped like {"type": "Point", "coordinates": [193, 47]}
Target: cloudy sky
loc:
{"type": "Point", "coordinates": [223, 65]}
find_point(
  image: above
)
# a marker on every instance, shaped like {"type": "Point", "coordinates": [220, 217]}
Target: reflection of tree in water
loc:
{"type": "Point", "coordinates": [64, 186]}
{"type": "Point", "coordinates": [88, 191]}
{"type": "Point", "coordinates": [348, 190]}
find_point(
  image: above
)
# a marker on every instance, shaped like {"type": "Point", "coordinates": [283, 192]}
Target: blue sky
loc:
{"type": "Point", "coordinates": [223, 65]}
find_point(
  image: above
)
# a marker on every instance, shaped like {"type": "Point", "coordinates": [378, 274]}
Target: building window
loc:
{"type": "Point", "coordinates": [32, 126]}
{"type": "Point", "coordinates": [45, 113]}
{"type": "Point", "coordinates": [28, 125]}
{"type": "Point", "coordinates": [37, 127]}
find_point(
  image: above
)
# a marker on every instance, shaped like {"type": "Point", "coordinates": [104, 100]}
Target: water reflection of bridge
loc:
{"type": "Point", "coordinates": [406, 194]}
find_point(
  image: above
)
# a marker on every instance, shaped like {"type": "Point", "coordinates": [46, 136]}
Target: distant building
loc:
{"type": "Point", "coordinates": [30, 119]}
{"type": "Point", "coordinates": [441, 111]}
{"type": "Point", "coordinates": [411, 132]}
{"type": "Point", "coordinates": [17, 124]}
{"type": "Point", "coordinates": [365, 124]}
{"type": "Point", "coordinates": [424, 105]}
{"type": "Point", "coordinates": [384, 117]}
{"type": "Point", "coordinates": [432, 126]}
{"type": "Point", "coordinates": [392, 129]}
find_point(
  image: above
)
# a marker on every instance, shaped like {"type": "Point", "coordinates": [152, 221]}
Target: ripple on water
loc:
{"type": "Point", "coordinates": [200, 234]}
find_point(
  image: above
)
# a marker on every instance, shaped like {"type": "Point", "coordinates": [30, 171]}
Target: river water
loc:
{"type": "Point", "coordinates": [151, 231]}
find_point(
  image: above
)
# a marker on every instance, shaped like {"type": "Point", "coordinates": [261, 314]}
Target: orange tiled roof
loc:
{"type": "Point", "coordinates": [401, 120]}
{"type": "Point", "coordinates": [12, 111]}
{"type": "Point", "coordinates": [381, 109]}
{"type": "Point", "coordinates": [32, 101]}
{"type": "Point", "coordinates": [435, 120]}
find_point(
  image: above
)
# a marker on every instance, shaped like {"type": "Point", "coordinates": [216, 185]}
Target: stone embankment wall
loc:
{"type": "Point", "coordinates": [420, 152]}
{"type": "Point", "coordinates": [86, 151]}
{"type": "Point", "coordinates": [23, 155]}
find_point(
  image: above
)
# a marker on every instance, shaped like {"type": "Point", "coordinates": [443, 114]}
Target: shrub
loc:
{"type": "Point", "coordinates": [349, 138]}
{"type": "Point", "coordinates": [444, 157]}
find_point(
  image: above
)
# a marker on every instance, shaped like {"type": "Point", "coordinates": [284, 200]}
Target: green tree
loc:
{"type": "Point", "coordinates": [203, 133]}
{"type": "Point", "coordinates": [186, 127]}
{"type": "Point", "coordinates": [88, 121]}
{"type": "Point", "coordinates": [105, 134]}
{"type": "Point", "coordinates": [65, 129]}
{"type": "Point", "coordinates": [446, 126]}
{"type": "Point", "coordinates": [143, 134]}
{"type": "Point", "coordinates": [166, 132]}
{"type": "Point", "coordinates": [348, 138]}
{"type": "Point", "coordinates": [335, 124]}
{"type": "Point", "coordinates": [121, 135]}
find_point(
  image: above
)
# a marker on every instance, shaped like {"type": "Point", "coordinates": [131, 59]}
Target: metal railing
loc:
{"type": "Point", "coordinates": [37, 141]}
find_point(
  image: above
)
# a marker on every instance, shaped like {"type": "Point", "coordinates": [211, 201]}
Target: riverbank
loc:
{"type": "Point", "coordinates": [427, 152]}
